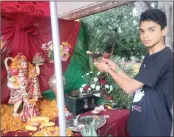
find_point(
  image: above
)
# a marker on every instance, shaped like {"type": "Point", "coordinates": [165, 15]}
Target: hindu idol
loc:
{"type": "Point", "coordinates": [24, 87]}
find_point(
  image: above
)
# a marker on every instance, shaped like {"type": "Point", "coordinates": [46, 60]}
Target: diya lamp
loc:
{"type": "Point", "coordinates": [108, 52]}
{"type": "Point", "coordinates": [95, 56]}
{"type": "Point", "coordinates": [106, 55]}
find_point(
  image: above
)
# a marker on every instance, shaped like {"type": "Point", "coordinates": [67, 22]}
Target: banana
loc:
{"type": "Point", "coordinates": [46, 124]}
{"type": "Point", "coordinates": [39, 119]}
{"type": "Point", "coordinates": [36, 124]}
{"type": "Point", "coordinates": [31, 128]}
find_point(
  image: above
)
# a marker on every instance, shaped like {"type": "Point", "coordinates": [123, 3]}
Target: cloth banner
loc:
{"type": "Point", "coordinates": [21, 32]}
{"type": "Point", "coordinates": [79, 64]}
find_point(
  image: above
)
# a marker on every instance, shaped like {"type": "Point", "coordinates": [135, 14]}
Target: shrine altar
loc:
{"type": "Point", "coordinates": [115, 125]}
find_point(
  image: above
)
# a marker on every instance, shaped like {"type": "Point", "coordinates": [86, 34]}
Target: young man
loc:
{"type": "Point", "coordinates": [153, 85]}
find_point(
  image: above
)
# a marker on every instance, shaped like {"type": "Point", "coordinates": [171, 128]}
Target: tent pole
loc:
{"type": "Point", "coordinates": [58, 68]}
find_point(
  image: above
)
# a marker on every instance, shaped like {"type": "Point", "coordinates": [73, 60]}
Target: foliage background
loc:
{"type": "Point", "coordinates": [120, 97]}
{"type": "Point", "coordinates": [119, 26]}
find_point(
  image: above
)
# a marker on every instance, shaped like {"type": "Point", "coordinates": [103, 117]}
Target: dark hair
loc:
{"type": "Point", "coordinates": [154, 15]}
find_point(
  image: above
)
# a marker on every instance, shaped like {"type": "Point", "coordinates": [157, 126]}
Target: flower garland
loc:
{"type": "Point", "coordinates": [64, 50]}
{"type": "Point", "coordinates": [10, 123]}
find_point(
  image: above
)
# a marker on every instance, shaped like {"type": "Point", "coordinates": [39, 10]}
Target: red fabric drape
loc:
{"type": "Point", "coordinates": [38, 8]}
{"type": "Point", "coordinates": [25, 33]}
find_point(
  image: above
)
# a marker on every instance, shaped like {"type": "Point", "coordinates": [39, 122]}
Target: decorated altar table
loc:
{"type": "Point", "coordinates": [115, 125]}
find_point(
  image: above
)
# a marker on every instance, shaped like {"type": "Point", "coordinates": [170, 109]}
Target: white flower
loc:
{"type": "Point", "coordinates": [95, 79]}
{"type": "Point", "coordinates": [97, 94]}
{"type": "Point", "coordinates": [92, 86]}
{"type": "Point", "coordinates": [89, 89]}
{"type": "Point", "coordinates": [110, 88]}
{"type": "Point", "coordinates": [107, 86]}
{"type": "Point", "coordinates": [142, 57]}
{"type": "Point", "coordinates": [82, 76]}
{"type": "Point", "coordinates": [97, 87]}
{"type": "Point", "coordinates": [98, 73]}
{"type": "Point", "coordinates": [90, 72]}
{"type": "Point", "coordinates": [81, 90]}
{"type": "Point", "coordinates": [83, 85]}
{"type": "Point", "coordinates": [87, 74]}
{"type": "Point", "coordinates": [44, 46]}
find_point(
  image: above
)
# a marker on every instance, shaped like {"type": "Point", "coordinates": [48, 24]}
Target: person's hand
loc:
{"type": "Point", "coordinates": [111, 64]}
{"type": "Point", "coordinates": [102, 66]}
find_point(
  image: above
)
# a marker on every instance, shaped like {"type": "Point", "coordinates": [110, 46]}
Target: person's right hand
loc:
{"type": "Point", "coordinates": [102, 66]}
{"type": "Point", "coordinates": [112, 64]}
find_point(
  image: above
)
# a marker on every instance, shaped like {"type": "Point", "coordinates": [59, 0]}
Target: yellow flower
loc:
{"type": "Point", "coordinates": [65, 56]}
{"type": "Point", "coordinates": [66, 44]}
{"type": "Point", "coordinates": [51, 47]}
{"type": "Point", "coordinates": [64, 50]}
{"type": "Point", "coordinates": [61, 48]}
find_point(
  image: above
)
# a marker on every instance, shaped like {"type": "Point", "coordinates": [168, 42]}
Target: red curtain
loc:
{"type": "Point", "coordinates": [37, 8]}
{"type": "Point", "coordinates": [25, 33]}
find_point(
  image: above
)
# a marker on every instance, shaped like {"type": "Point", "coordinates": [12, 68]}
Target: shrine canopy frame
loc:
{"type": "Point", "coordinates": [65, 10]}
{"type": "Point", "coordinates": [77, 10]}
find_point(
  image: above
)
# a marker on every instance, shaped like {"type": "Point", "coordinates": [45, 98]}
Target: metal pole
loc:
{"type": "Point", "coordinates": [58, 68]}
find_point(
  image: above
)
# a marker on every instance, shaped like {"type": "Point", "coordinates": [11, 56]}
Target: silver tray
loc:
{"type": "Point", "coordinates": [86, 120]}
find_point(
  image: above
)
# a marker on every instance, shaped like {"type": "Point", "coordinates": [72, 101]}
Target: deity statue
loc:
{"type": "Point", "coordinates": [24, 87]}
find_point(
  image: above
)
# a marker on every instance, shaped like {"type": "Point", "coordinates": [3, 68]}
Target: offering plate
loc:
{"type": "Point", "coordinates": [86, 121]}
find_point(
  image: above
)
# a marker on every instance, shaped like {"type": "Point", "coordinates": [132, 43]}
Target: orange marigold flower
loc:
{"type": "Point", "coordinates": [10, 123]}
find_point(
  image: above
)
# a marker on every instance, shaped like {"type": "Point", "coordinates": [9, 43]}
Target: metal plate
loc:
{"type": "Point", "coordinates": [86, 120]}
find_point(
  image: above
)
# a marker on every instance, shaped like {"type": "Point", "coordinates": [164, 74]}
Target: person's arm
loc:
{"type": "Point", "coordinates": [121, 73]}
{"type": "Point", "coordinates": [116, 68]}
{"type": "Point", "coordinates": [128, 84]}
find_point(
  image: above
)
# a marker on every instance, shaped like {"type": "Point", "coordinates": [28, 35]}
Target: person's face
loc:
{"type": "Point", "coordinates": [151, 33]}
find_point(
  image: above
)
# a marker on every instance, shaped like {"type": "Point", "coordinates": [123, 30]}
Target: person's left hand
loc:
{"type": "Point", "coordinates": [102, 66]}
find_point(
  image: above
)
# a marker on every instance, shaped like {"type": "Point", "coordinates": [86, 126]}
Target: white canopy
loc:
{"type": "Point", "coordinates": [65, 8]}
